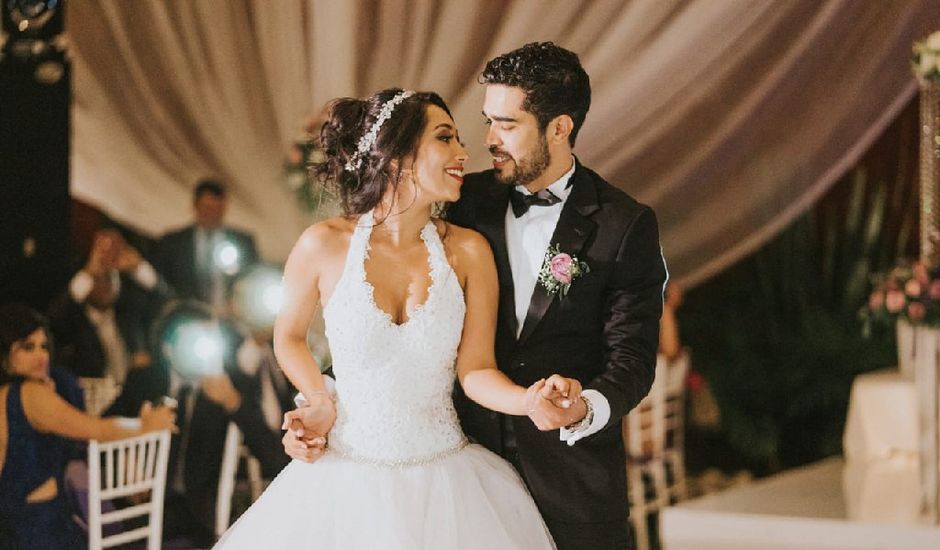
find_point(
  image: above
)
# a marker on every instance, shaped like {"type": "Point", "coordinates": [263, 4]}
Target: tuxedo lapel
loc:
{"type": "Point", "coordinates": [491, 221]}
{"type": "Point", "coordinates": [573, 229]}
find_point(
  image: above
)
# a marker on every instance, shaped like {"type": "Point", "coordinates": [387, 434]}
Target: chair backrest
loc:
{"type": "Point", "coordinates": [232, 452]}
{"type": "Point", "coordinates": [223, 500]}
{"type": "Point", "coordinates": [644, 427]}
{"type": "Point", "coordinates": [99, 393]}
{"type": "Point", "coordinates": [132, 466]}
{"type": "Point", "coordinates": [656, 422]}
{"type": "Point", "coordinates": [653, 439]}
{"type": "Point", "coordinates": [677, 373]}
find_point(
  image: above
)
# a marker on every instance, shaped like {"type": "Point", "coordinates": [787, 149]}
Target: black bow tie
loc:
{"type": "Point", "coordinates": [521, 201]}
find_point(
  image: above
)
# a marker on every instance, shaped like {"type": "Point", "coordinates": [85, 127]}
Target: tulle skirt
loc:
{"type": "Point", "coordinates": [469, 500]}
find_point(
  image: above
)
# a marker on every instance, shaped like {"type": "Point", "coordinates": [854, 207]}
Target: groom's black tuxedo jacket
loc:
{"type": "Point", "coordinates": [603, 333]}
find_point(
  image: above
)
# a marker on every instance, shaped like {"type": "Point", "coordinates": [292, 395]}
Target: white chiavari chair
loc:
{"type": "Point", "coordinates": [653, 434]}
{"type": "Point", "coordinates": [121, 468]}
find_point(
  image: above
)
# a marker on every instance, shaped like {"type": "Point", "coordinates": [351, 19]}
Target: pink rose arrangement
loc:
{"type": "Point", "coordinates": [559, 270]}
{"type": "Point", "coordinates": [909, 292]}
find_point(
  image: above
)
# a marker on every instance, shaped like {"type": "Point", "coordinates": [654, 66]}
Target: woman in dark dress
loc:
{"type": "Point", "coordinates": [36, 426]}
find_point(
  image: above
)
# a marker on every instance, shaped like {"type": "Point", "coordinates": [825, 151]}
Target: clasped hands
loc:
{"type": "Point", "coordinates": [307, 427]}
{"type": "Point", "coordinates": [551, 403]}
{"type": "Point", "coordinates": [555, 402]}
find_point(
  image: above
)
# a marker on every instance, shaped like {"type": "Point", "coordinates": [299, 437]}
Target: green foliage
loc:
{"type": "Point", "coordinates": [778, 336]}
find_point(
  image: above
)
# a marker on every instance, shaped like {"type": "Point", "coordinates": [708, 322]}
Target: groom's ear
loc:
{"type": "Point", "coordinates": [559, 128]}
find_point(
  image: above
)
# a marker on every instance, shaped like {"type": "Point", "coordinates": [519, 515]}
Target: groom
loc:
{"type": "Point", "coordinates": [600, 327]}
{"type": "Point", "coordinates": [598, 324]}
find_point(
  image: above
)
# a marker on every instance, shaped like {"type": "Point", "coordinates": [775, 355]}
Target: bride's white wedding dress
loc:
{"type": "Point", "coordinates": [399, 472]}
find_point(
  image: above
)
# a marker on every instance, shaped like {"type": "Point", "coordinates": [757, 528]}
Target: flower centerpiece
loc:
{"type": "Point", "coordinates": [908, 292]}
{"type": "Point", "coordinates": [909, 296]}
{"type": "Point", "coordinates": [925, 59]}
{"type": "Point", "coordinates": [904, 298]}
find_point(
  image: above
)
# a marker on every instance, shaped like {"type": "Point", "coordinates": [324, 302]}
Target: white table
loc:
{"type": "Point", "coordinates": [882, 421]}
{"type": "Point", "coordinates": [798, 509]}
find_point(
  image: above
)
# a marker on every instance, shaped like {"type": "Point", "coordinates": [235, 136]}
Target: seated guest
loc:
{"type": "Point", "coordinates": [36, 424]}
{"type": "Point", "coordinates": [213, 387]}
{"type": "Point", "coordinates": [276, 393]}
{"type": "Point", "coordinates": [101, 321]}
{"type": "Point", "coordinates": [255, 311]}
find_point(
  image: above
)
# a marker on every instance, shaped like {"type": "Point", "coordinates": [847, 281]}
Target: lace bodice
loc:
{"type": "Point", "coordinates": [394, 382]}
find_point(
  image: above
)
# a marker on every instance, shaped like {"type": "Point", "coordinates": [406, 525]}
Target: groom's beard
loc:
{"type": "Point", "coordinates": [528, 168]}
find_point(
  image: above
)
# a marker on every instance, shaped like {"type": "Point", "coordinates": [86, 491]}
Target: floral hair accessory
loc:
{"type": "Point", "coordinates": [367, 141]}
{"type": "Point", "coordinates": [559, 270]}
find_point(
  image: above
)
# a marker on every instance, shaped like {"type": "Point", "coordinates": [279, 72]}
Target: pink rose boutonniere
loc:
{"type": "Point", "coordinates": [559, 270]}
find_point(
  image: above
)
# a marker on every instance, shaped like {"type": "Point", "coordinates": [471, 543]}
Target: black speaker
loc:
{"type": "Point", "coordinates": [34, 168]}
{"type": "Point", "coordinates": [33, 19]}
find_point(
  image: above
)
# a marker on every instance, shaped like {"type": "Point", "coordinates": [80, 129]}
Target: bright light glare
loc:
{"type": "Point", "coordinates": [272, 298]}
{"type": "Point", "coordinates": [206, 347]}
{"type": "Point", "coordinates": [226, 256]}
{"type": "Point", "coordinates": [198, 349]}
{"type": "Point", "coordinates": [258, 296]}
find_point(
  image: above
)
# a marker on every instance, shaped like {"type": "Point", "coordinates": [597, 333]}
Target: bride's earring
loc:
{"type": "Point", "coordinates": [408, 176]}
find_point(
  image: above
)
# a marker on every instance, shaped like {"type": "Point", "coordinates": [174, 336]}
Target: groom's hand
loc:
{"type": "Point", "coordinates": [303, 445]}
{"type": "Point", "coordinates": [555, 403]}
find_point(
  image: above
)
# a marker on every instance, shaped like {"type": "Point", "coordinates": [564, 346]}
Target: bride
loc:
{"type": "Point", "coordinates": [410, 304]}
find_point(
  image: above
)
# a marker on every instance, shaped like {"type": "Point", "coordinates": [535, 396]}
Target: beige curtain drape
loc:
{"type": "Point", "coordinates": [729, 117]}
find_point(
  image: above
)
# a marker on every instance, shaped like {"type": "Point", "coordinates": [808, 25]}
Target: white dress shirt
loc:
{"type": "Point", "coordinates": [527, 239]}
{"type": "Point", "coordinates": [205, 243]}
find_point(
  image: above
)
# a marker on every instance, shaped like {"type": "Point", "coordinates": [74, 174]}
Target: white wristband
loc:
{"type": "Point", "coordinates": [129, 423]}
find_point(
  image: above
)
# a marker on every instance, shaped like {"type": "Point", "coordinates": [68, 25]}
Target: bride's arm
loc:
{"type": "Point", "coordinates": [476, 357]}
{"type": "Point", "coordinates": [301, 296]}
{"type": "Point", "coordinates": [307, 426]}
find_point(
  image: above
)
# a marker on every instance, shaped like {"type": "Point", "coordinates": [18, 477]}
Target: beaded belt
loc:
{"type": "Point", "coordinates": [403, 463]}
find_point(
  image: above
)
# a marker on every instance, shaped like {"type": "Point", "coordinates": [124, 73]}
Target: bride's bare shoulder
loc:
{"type": "Point", "coordinates": [464, 244]}
{"type": "Point", "coordinates": [325, 238]}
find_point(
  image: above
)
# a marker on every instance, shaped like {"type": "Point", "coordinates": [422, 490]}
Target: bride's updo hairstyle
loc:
{"type": "Point", "coordinates": [361, 178]}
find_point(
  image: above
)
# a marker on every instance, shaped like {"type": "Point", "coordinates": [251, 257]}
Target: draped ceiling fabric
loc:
{"type": "Point", "coordinates": [729, 117]}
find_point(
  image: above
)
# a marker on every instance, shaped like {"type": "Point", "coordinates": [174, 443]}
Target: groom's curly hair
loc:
{"type": "Point", "coordinates": [552, 78]}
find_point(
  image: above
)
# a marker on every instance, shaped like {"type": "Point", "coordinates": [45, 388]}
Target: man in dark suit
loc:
{"type": "Point", "coordinates": [200, 261]}
{"type": "Point", "coordinates": [599, 324]}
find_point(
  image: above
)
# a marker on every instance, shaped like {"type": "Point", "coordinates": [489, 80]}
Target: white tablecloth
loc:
{"type": "Point", "coordinates": [882, 418]}
{"type": "Point", "coordinates": [808, 508]}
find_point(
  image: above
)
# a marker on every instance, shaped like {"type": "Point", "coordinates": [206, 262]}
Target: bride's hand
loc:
{"type": "Point", "coordinates": [308, 428]}
{"type": "Point", "coordinates": [300, 447]}
{"type": "Point", "coordinates": [555, 402]}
